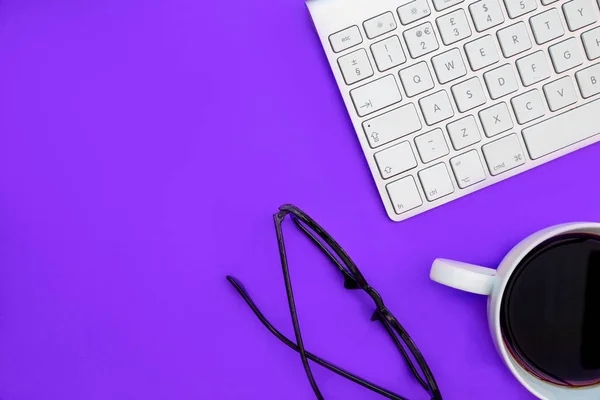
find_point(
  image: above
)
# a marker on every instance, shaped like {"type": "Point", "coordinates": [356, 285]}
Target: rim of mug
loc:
{"type": "Point", "coordinates": [511, 262]}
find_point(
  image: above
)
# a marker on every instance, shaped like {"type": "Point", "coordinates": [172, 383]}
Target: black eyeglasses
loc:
{"type": "Point", "coordinates": [353, 279]}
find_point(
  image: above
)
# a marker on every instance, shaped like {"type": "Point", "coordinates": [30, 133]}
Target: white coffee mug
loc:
{"type": "Point", "coordinates": [492, 283]}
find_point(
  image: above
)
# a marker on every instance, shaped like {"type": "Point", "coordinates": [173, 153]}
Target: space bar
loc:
{"type": "Point", "coordinates": [563, 130]}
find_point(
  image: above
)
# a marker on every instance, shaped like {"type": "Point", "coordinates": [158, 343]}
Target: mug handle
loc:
{"type": "Point", "coordinates": [467, 277]}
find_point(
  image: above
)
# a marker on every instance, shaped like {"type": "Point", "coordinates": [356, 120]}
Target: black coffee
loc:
{"type": "Point", "coordinates": [550, 313]}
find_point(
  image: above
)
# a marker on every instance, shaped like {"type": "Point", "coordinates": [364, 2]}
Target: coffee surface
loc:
{"type": "Point", "coordinates": [550, 313]}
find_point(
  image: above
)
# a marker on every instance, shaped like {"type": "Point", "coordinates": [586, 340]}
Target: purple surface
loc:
{"type": "Point", "coordinates": [144, 146]}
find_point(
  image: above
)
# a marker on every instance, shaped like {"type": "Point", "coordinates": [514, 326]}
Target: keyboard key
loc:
{"type": "Point", "coordinates": [345, 39]}
{"type": "Point", "coordinates": [413, 11]}
{"type": "Point", "coordinates": [380, 25]}
{"type": "Point", "coordinates": [546, 2]}
{"type": "Point", "coordinates": [443, 4]}
{"type": "Point", "coordinates": [355, 66]}
{"type": "Point", "coordinates": [449, 66]}
{"type": "Point", "coordinates": [482, 52]}
{"type": "Point", "coordinates": [388, 53]}
{"type": "Point", "coordinates": [516, 8]}
{"type": "Point", "coordinates": [501, 81]}
{"type": "Point", "coordinates": [468, 169]}
{"type": "Point", "coordinates": [432, 145]}
{"type": "Point", "coordinates": [468, 94]}
{"type": "Point", "coordinates": [453, 27]}
{"type": "Point", "coordinates": [376, 95]}
{"type": "Point", "coordinates": [514, 39]}
{"type": "Point", "coordinates": [486, 14]}
{"type": "Point", "coordinates": [503, 154]}
{"type": "Point", "coordinates": [565, 55]}
{"type": "Point", "coordinates": [589, 81]}
{"type": "Point", "coordinates": [395, 160]}
{"type": "Point", "coordinates": [533, 68]}
{"type": "Point", "coordinates": [559, 132]}
{"type": "Point", "coordinates": [416, 79]}
{"type": "Point", "coordinates": [464, 132]}
{"type": "Point", "coordinates": [580, 13]}
{"type": "Point", "coordinates": [528, 106]}
{"type": "Point", "coordinates": [436, 182]}
{"type": "Point", "coordinates": [436, 107]}
{"type": "Point", "coordinates": [421, 40]}
{"type": "Point", "coordinates": [591, 43]}
{"type": "Point", "coordinates": [560, 93]}
{"type": "Point", "coordinates": [547, 26]}
{"type": "Point", "coordinates": [496, 119]}
{"type": "Point", "coordinates": [392, 125]}
{"type": "Point", "coordinates": [404, 195]}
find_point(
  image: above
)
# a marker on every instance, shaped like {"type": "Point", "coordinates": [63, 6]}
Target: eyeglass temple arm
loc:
{"type": "Point", "coordinates": [356, 379]}
{"type": "Point", "coordinates": [350, 283]}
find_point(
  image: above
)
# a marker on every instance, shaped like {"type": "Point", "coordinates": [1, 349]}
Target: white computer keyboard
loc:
{"type": "Point", "coordinates": [450, 96]}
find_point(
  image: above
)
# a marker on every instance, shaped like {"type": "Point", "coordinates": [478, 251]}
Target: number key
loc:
{"type": "Point", "coordinates": [486, 14]}
{"type": "Point", "coordinates": [453, 27]}
{"type": "Point", "coordinates": [421, 40]}
{"type": "Point", "coordinates": [516, 8]}
{"type": "Point", "coordinates": [464, 132]}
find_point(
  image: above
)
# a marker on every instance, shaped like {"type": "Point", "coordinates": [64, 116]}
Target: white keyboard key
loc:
{"type": "Point", "coordinates": [404, 195]}
{"type": "Point", "coordinates": [528, 106]}
{"type": "Point", "coordinates": [436, 182]}
{"type": "Point", "coordinates": [589, 81]}
{"type": "Point", "coordinates": [376, 95]}
{"type": "Point", "coordinates": [496, 119]}
{"type": "Point", "coordinates": [355, 66]}
{"type": "Point", "coordinates": [380, 25]}
{"type": "Point", "coordinates": [560, 93]}
{"type": "Point", "coordinates": [486, 14]}
{"type": "Point", "coordinates": [345, 39]}
{"type": "Point", "coordinates": [591, 43]}
{"type": "Point", "coordinates": [436, 107]}
{"type": "Point", "coordinates": [392, 125]}
{"type": "Point", "coordinates": [449, 66]}
{"type": "Point", "coordinates": [580, 13]}
{"type": "Point", "coordinates": [566, 55]}
{"type": "Point", "coordinates": [432, 145]}
{"type": "Point", "coordinates": [395, 160]}
{"type": "Point", "coordinates": [547, 26]}
{"type": "Point", "coordinates": [482, 52]}
{"type": "Point", "coordinates": [501, 81]}
{"type": "Point", "coordinates": [416, 79]}
{"type": "Point", "coordinates": [468, 94]}
{"type": "Point", "coordinates": [504, 154]}
{"type": "Point", "coordinates": [443, 4]}
{"type": "Point", "coordinates": [533, 68]}
{"type": "Point", "coordinates": [514, 39]}
{"type": "Point", "coordinates": [516, 8]}
{"type": "Point", "coordinates": [546, 2]}
{"type": "Point", "coordinates": [413, 11]}
{"type": "Point", "coordinates": [388, 53]}
{"type": "Point", "coordinates": [453, 27]}
{"type": "Point", "coordinates": [468, 169]}
{"type": "Point", "coordinates": [421, 40]}
{"type": "Point", "coordinates": [559, 132]}
{"type": "Point", "coordinates": [464, 132]}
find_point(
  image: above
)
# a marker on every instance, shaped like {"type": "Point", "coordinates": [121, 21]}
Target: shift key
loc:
{"type": "Point", "coordinates": [376, 95]}
{"type": "Point", "coordinates": [504, 154]}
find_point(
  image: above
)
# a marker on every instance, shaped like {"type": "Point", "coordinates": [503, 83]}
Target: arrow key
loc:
{"type": "Point", "coordinates": [395, 160]}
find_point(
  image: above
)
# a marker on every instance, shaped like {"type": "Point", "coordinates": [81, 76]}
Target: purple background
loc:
{"type": "Point", "coordinates": [145, 145]}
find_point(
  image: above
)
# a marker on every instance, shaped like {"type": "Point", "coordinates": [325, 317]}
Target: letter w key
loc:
{"type": "Point", "coordinates": [449, 66]}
